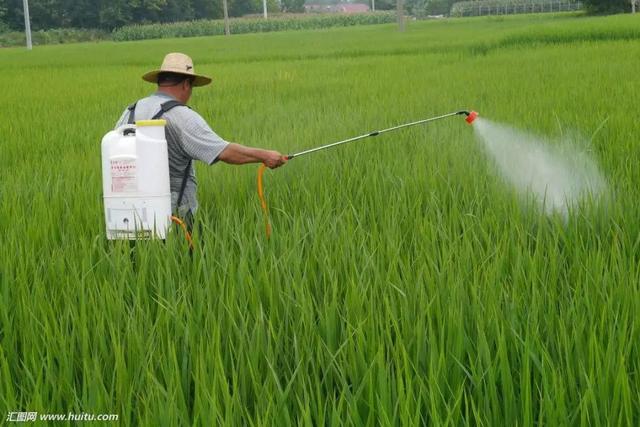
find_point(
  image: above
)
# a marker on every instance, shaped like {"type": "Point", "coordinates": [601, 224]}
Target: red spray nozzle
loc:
{"type": "Point", "coordinates": [471, 117]}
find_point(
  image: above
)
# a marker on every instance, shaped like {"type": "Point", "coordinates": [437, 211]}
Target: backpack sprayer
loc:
{"type": "Point", "coordinates": [135, 182]}
{"type": "Point", "coordinates": [470, 117]}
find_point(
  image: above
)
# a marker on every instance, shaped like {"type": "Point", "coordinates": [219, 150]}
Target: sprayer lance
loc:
{"type": "Point", "coordinates": [471, 116]}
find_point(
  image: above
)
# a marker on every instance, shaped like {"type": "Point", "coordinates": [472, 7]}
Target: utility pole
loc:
{"type": "Point", "coordinates": [27, 23]}
{"type": "Point", "coordinates": [264, 8]}
{"type": "Point", "coordinates": [373, 5]}
{"type": "Point", "coordinates": [227, 32]}
{"type": "Point", "coordinates": [400, 11]}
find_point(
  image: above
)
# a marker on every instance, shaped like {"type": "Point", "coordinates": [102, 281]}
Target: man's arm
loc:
{"type": "Point", "coordinates": [237, 154]}
{"type": "Point", "coordinates": [202, 143]}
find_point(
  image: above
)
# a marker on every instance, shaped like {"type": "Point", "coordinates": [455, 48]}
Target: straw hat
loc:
{"type": "Point", "coordinates": [177, 63]}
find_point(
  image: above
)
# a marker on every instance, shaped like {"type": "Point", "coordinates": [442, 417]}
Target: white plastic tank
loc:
{"type": "Point", "coordinates": [135, 181]}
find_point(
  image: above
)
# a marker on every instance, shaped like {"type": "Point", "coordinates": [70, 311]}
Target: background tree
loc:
{"type": "Point", "coordinates": [80, 14]}
{"type": "Point", "coordinates": [110, 14]}
{"type": "Point", "coordinates": [177, 10]}
{"type": "Point", "coordinates": [423, 8]}
{"type": "Point", "coordinates": [115, 14]}
{"type": "Point", "coordinates": [207, 9]}
{"type": "Point", "coordinates": [606, 6]}
{"type": "Point", "coordinates": [243, 7]}
{"type": "Point", "coordinates": [3, 11]}
{"type": "Point", "coordinates": [295, 6]}
{"type": "Point", "coordinates": [385, 4]}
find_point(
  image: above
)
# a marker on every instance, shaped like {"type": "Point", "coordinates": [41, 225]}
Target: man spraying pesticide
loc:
{"type": "Point", "coordinates": [147, 160]}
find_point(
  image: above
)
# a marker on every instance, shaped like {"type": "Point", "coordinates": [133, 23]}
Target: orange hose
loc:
{"type": "Point", "coordinates": [263, 201]}
{"type": "Point", "coordinates": [187, 235]}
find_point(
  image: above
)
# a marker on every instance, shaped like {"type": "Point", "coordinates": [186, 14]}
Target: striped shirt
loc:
{"type": "Point", "coordinates": [188, 137]}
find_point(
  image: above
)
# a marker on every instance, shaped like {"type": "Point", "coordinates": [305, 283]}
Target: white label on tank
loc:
{"type": "Point", "coordinates": [123, 176]}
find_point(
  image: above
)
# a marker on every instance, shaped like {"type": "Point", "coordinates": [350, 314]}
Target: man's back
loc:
{"type": "Point", "coordinates": [188, 137]}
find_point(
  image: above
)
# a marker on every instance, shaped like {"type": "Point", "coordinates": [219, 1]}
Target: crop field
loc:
{"type": "Point", "coordinates": [405, 283]}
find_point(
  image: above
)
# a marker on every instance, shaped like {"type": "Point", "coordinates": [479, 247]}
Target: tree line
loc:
{"type": "Point", "coordinates": [609, 6]}
{"type": "Point", "coordinates": [110, 14]}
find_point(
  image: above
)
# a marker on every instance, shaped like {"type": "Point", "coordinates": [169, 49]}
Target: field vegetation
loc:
{"type": "Point", "coordinates": [285, 22]}
{"type": "Point", "coordinates": [53, 36]}
{"type": "Point", "coordinates": [280, 22]}
{"type": "Point", "coordinates": [404, 284]}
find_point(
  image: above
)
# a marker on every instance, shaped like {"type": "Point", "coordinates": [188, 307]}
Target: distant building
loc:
{"type": "Point", "coordinates": [352, 8]}
{"type": "Point", "coordinates": [314, 7]}
{"type": "Point", "coordinates": [337, 8]}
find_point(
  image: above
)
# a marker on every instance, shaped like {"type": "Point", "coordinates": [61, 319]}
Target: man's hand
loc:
{"type": "Point", "coordinates": [238, 154]}
{"type": "Point", "coordinates": [273, 159]}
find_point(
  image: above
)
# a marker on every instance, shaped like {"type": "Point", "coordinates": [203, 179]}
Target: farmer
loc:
{"type": "Point", "coordinates": [189, 137]}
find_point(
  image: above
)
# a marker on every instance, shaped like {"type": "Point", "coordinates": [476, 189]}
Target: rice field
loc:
{"type": "Point", "coordinates": [404, 283]}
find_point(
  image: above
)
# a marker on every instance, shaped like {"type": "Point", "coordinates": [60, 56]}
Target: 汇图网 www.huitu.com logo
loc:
{"type": "Point", "coordinates": [21, 417]}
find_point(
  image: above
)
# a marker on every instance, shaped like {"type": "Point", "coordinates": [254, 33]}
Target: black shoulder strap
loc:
{"type": "Point", "coordinates": [132, 111]}
{"type": "Point", "coordinates": [163, 109]}
{"type": "Point", "coordinates": [184, 184]}
{"type": "Point", "coordinates": [166, 107]}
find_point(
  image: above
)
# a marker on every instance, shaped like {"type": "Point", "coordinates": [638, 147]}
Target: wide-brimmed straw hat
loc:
{"type": "Point", "coordinates": [178, 63]}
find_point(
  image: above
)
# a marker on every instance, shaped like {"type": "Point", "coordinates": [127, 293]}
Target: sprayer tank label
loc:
{"type": "Point", "coordinates": [123, 176]}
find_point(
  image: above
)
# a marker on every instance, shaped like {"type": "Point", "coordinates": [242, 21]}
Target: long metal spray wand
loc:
{"type": "Point", "coordinates": [378, 132]}
{"type": "Point", "coordinates": [471, 116]}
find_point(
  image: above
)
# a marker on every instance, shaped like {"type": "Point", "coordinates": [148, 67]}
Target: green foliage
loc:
{"type": "Point", "coordinates": [404, 283]}
{"type": "Point", "coordinates": [245, 25]}
{"type": "Point", "coordinates": [59, 36]}
{"type": "Point", "coordinates": [116, 13]}
{"type": "Point", "coordinates": [607, 6]}
{"type": "Point", "coordinates": [281, 22]}
{"type": "Point", "coordinates": [47, 14]}
{"type": "Point", "coordinates": [207, 9]}
{"type": "Point", "coordinates": [386, 4]}
{"type": "Point", "coordinates": [10, 12]}
{"type": "Point", "coordinates": [293, 6]}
